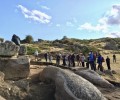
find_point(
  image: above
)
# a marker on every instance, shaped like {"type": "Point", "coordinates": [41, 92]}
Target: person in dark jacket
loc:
{"type": "Point", "coordinates": [78, 59]}
{"type": "Point", "coordinates": [64, 60]}
{"type": "Point", "coordinates": [99, 61]}
{"type": "Point", "coordinates": [108, 63]}
{"type": "Point", "coordinates": [114, 58]}
{"type": "Point", "coordinates": [73, 59]}
{"type": "Point", "coordinates": [69, 60]}
{"type": "Point", "coordinates": [46, 56]}
{"type": "Point", "coordinates": [91, 60]}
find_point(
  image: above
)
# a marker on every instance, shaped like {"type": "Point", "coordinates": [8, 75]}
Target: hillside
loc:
{"type": "Point", "coordinates": [104, 45]}
{"type": "Point", "coordinates": [42, 80]}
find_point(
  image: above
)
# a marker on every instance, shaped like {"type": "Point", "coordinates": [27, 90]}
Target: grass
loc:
{"type": "Point", "coordinates": [114, 66]}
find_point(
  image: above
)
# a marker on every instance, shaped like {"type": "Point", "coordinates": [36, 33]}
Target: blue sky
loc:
{"type": "Point", "coordinates": [53, 19]}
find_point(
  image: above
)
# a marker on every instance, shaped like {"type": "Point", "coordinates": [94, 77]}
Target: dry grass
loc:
{"type": "Point", "coordinates": [114, 66]}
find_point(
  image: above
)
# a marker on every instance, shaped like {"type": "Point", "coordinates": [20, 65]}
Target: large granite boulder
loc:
{"type": "Point", "coordinates": [23, 50]}
{"type": "Point", "coordinates": [23, 83]}
{"type": "Point", "coordinates": [94, 78]}
{"type": "Point", "coordinates": [8, 49]}
{"type": "Point", "coordinates": [11, 92]}
{"type": "Point", "coordinates": [70, 86]}
{"type": "Point", "coordinates": [15, 68]}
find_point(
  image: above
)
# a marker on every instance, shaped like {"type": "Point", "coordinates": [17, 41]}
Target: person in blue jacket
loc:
{"type": "Point", "coordinates": [100, 61]}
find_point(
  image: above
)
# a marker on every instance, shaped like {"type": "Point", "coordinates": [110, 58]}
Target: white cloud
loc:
{"type": "Point", "coordinates": [90, 27]}
{"type": "Point", "coordinates": [58, 25]}
{"type": "Point", "coordinates": [45, 7]}
{"type": "Point", "coordinates": [112, 16]}
{"type": "Point", "coordinates": [35, 15]}
{"type": "Point", "coordinates": [69, 24]}
{"type": "Point", "coordinates": [113, 35]}
{"type": "Point", "coordinates": [110, 19]}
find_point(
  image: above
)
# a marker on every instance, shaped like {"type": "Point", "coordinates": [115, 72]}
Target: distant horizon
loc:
{"type": "Point", "coordinates": [48, 20]}
{"type": "Point", "coordinates": [61, 38]}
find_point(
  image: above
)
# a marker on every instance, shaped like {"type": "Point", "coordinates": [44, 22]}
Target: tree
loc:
{"type": "Point", "coordinates": [64, 37]}
{"type": "Point", "coordinates": [29, 39]}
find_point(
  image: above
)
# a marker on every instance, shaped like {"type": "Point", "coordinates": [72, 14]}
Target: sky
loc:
{"type": "Point", "coordinates": [53, 19]}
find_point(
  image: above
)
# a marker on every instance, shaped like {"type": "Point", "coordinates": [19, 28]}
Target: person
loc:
{"type": "Point", "coordinates": [46, 56]}
{"type": "Point", "coordinates": [87, 62]}
{"type": "Point", "coordinates": [91, 60]}
{"type": "Point", "coordinates": [36, 55]}
{"type": "Point", "coordinates": [78, 59]}
{"type": "Point", "coordinates": [69, 60]}
{"type": "Point", "coordinates": [64, 59]}
{"type": "Point", "coordinates": [114, 58]}
{"type": "Point", "coordinates": [58, 56]}
{"type": "Point", "coordinates": [99, 61]}
{"type": "Point", "coordinates": [50, 57]}
{"type": "Point", "coordinates": [83, 60]}
{"type": "Point", "coordinates": [73, 59]}
{"type": "Point", "coordinates": [108, 63]}
{"type": "Point", "coordinates": [16, 39]}
{"type": "Point", "coordinates": [95, 56]}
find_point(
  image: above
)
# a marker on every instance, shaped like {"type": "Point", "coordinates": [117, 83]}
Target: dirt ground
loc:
{"type": "Point", "coordinates": [114, 66]}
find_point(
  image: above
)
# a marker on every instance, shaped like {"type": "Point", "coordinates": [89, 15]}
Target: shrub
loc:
{"type": "Point", "coordinates": [31, 50]}
{"type": "Point", "coordinates": [29, 39]}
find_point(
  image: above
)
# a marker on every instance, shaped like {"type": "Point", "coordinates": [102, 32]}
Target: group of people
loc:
{"type": "Point", "coordinates": [89, 60]}
{"type": "Point", "coordinates": [93, 61]}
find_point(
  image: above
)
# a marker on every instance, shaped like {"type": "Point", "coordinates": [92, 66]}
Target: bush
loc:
{"type": "Point", "coordinates": [29, 39]}
{"type": "Point", "coordinates": [31, 50]}
{"type": "Point", "coordinates": [1, 40]}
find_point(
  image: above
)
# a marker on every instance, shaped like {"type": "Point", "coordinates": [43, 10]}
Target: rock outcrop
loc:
{"type": "Point", "coordinates": [11, 65]}
{"type": "Point", "coordinates": [94, 78]}
{"type": "Point", "coordinates": [23, 50]}
{"type": "Point", "coordinates": [24, 84]}
{"type": "Point", "coordinates": [9, 91]}
{"type": "Point", "coordinates": [8, 49]}
{"type": "Point", "coordinates": [15, 68]}
{"type": "Point", "coordinates": [70, 86]}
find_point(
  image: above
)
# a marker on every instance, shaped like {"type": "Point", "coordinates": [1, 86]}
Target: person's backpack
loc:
{"type": "Point", "coordinates": [103, 60]}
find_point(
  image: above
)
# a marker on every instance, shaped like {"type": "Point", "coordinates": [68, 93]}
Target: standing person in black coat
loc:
{"type": "Point", "coordinates": [69, 60]}
{"type": "Point", "coordinates": [78, 59]}
{"type": "Point", "coordinates": [64, 60]}
{"type": "Point", "coordinates": [108, 63]}
{"type": "Point", "coordinates": [73, 60]}
{"type": "Point", "coordinates": [114, 58]}
{"type": "Point", "coordinates": [46, 56]}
